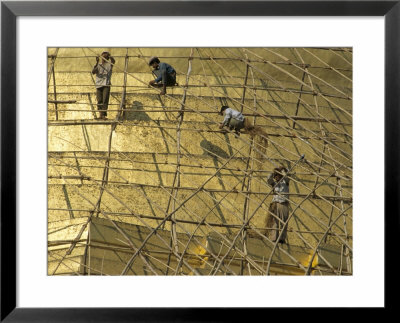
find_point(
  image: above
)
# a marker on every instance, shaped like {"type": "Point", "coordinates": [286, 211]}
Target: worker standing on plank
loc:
{"type": "Point", "coordinates": [279, 207]}
{"type": "Point", "coordinates": [234, 120]}
{"type": "Point", "coordinates": [103, 73]}
{"type": "Point", "coordinates": [165, 74]}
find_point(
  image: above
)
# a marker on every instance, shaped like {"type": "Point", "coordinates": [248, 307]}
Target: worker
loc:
{"type": "Point", "coordinates": [233, 119]}
{"type": "Point", "coordinates": [103, 73]}
{"type": "Point", "coordinates": [279, 208]}
{"type": "Point", "coordinates": [165, 75]}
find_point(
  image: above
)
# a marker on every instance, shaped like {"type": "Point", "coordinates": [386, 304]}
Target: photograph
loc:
{"type": "Point", "coordinates": [202, 161]}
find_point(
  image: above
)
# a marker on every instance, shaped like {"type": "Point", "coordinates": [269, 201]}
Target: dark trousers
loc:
{"type": "Point", "coordinates": [274, 226]}
{"type": "Point", "coordinates": [103, 95]}
{"type": "Point", "coordinates": [170, 79]}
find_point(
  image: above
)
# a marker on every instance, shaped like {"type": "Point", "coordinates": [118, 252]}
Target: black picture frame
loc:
{"type": "Point", "coordinates": [10, 10]}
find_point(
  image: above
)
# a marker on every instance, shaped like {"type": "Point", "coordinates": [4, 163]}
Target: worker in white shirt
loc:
{"type": "Point", "coordinates": [234, 120]}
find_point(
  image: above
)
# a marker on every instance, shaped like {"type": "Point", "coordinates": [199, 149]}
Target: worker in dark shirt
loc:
{"type": "Point", "coordinates": [165, 73]}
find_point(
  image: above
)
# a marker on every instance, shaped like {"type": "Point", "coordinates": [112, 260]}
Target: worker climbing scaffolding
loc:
{"type": "Point", "coordinates": [233, 119]}
{"type": "Point", "coordinates": [103, 70]}
{"type": "Point", "coordinates": [165, 74]}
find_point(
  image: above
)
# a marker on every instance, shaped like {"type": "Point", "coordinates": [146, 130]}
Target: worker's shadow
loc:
{"type": "Point", "coordinates": [209, 149]}
{"type": "Point", "coordinates": [212, 150]}
{"type": "Point", "coordinates": [136, 112]}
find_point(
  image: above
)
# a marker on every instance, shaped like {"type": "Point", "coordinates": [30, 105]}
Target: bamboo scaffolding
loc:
{"type": "Point", "coordinates": [308, 73]}
{"type": "Point", "coordinates": [246, 173]}
{"type": "Point", "coordinates": [126, 237]}
{"type": "Point", "coordinates": [305, 104]}
{"type": "Point", "coordinates": [199, 223]}
{"type": "Point", "coordinates": [201, 59]}
{"type": "Point", "coordinates": [149, 227]}
{"type": "Point", "coordinates": [125, 182]}
{"type": "Point", "coordinates": [328, 66]}
{"type": "Point", "coordinates": [295, 117]}
{"type": "Point", "coordinates": [162, 154]}
{"type": "Point", "coordinates": [217, 232]}
{"type": "Point", "coordinates": [228, 174]}
{"type": "Point", "coordinates": [153, 230]}
{"type": "Point", "coordinates": [345, 250]}
{"type": "Point", "coordinates": [53, 61]}
{"type": "Point", "coordinates": [216, 156]}
{"type": "Point", "coordinates": [244, 224]}
{"type": "Point", "coordinates": [280, 111]}
{"type": "Point", "coordinates": [178, 156]}
{"type": "Point", "coordinates": [199, 86]}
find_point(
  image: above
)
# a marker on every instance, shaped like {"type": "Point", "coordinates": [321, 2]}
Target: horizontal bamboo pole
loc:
{"type": "Point", "coordinates": [204, 223]}
{"type": "Point", "coordinates": [229, 171]}
{"type": "Point", "coordinates": [202, 59]}
{"type": "Point", "coordinates": [175, 96]}
{"type": "Point", "coordinates": [113, 122]}
{"type": "Point", "coordinates": [266, 115]}
{"type": "Point", "coordinates": [188, 188]}
{"type": "Point", "coordinates": [60, 101]}
{"type": "Point", "coordinates": [242, 159]}
{"type": "Point", "coordinates": [188, 255]}
{"type": "Point", "coordinates": [235, 86]}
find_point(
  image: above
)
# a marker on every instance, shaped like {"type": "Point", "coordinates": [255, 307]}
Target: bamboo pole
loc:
{"type": "Point", "coordinates": [298, 101]}
{"type": "Point", "coordinates": [178, 155]}
{"type": "Point", "coordinates": [200, 59]}
{"type": "Point", "coordinates": [197, 223]}
{"type": "Point", "coordinates": [54, 83]}
{"type": "Point", "coordinates": [266, 115]}
{"type": "Point", "coordinates": [200, 86]}
{"type": "Point", "coordinates": [230, 171]}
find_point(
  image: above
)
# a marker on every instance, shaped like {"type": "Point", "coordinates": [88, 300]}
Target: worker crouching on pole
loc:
{"type": "Point", "coordinates": [279, 208]}
{"type": "Point", "coordinates": [165, 73]}
{"type": "Point", "coordinates": [103, 73]}
{"type": "Point", "coordinates": [233, 119]}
